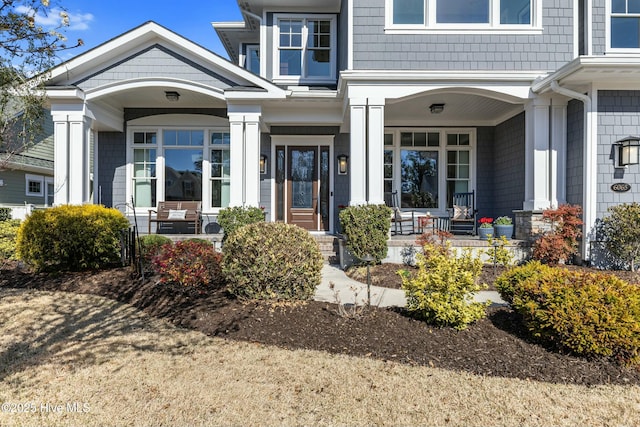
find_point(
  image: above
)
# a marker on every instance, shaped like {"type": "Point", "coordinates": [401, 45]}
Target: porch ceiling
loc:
{"type": "Point", "coordinates": [459, 110]}
{"type": "Point", "coordinates": [155, 97]}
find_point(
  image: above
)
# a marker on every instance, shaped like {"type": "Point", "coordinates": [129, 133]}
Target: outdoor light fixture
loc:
{"type": "Point", "coordinates": [342, 164]}
{"type": "Point", "coordinates": [172, 95]}
{"type": "Point", "coordinates": [436, 108]}
{"type": "Point", "coordinates": [628, 151]}
{"type": "Point", "coordinates": [263, 164]}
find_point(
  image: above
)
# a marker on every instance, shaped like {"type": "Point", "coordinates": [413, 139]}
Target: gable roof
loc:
{"type": "Point", "coordinates": [147, 36]}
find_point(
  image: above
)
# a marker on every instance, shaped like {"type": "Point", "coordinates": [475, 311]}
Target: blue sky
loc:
{"type": "Point", "coordinates": [96, 22]}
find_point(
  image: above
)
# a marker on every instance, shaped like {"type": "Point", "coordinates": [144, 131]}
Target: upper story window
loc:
{"type": "Point", "coordinates": [625, 24]}
{"type": "Point", "coordinates": [305, 49]}
{"type": "Point", "coordinates": [252, 60]}
{"type": "Point", "coordinates": [462, 14]}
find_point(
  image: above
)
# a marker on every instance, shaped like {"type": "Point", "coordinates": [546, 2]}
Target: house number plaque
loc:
{"type": "Point", "coordinates": [620, 187]}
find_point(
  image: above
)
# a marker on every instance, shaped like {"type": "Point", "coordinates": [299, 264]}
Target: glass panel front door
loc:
{"type": "Point", "coordinates": [303, 187]}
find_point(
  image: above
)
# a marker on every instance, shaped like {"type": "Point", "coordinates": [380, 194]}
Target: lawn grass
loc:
{"type": "Point", "coordinates": [131, 369]}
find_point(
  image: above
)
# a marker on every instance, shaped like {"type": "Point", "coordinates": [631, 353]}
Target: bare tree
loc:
{"type": "Point", "coordinates": [27, 51]}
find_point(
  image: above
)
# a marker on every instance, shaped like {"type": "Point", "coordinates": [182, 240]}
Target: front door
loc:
{"type": "Point", "coordinates": [307, 187]}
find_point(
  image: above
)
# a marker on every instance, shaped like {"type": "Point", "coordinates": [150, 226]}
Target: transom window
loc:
{"type": "Point", "coordinates": [625, 24]}
{"type": "Point", "coordinates": [427, 166]}
{"type": "Point", "coordinates": [443, 14]}
{"type": "Point", "coordinates": [306, 48]}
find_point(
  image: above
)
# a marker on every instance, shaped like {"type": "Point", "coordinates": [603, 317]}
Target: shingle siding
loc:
{"type": "Point", "coordinates": [618, 117]}
{"type": "Point", "coordinates": [112, 159]}
{"type": "Point", "coordinates": [373, 49]}
{"type": "Point", "coordinates": [156, 61]}
{"type": "Point", "coordinates": [575, 152]}
{"type": "Point", "coordinates": [598, 33]}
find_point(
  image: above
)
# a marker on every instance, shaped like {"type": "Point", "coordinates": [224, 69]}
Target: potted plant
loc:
{"type": "Point", "coordinates": [486, 228]}
{"type": "Point", "coordinates": [503, 227]}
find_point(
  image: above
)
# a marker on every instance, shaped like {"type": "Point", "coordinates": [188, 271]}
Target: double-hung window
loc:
{"type": "Point", "coordinates": [305, 49]}
{"type": "Point", "coordinates": [625, 24]}
{"type": "Point", "coordinates": [144, 168]}
{"type": "Point", "coordinates": [220, 169]}
{"type": "Point", "coordinates": [462, 14]}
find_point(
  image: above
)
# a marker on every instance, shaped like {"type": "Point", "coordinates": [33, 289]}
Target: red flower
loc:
{"type": "Point", "coordinates": [486, 220]}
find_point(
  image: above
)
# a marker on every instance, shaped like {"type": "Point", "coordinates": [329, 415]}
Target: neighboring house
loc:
{"type": "Point", "coordinates": [521, 101]}
{"type": "Point", "coordinates": [26, 175]}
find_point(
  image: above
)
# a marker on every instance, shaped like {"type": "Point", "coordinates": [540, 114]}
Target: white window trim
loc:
{"type": "Point", "coordinates": [333, 55]}
{"type": "Point", "coordinates": [607, 25]}
{"type": "Point", "coordinates": [441, 210]}
{"type": "Point", "coordinates": [28, 178]}
{"type": "Point", "coordinates": [47, 180]}
{"type": "Point", "coordinates": [247, 56]}
{"type": "Point", "coordinates": [160, 162]}
{"type": "Point", "coordinates": [432, 27]}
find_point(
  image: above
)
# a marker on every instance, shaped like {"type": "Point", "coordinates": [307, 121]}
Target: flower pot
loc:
{"type": "Point", "coordinates": [503, 230]}
{"type": "Point", "coordinates": [485, 232]}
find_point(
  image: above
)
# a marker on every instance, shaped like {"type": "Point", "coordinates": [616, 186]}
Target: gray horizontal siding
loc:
{"type": "Point", "coordinates": [373, 49]}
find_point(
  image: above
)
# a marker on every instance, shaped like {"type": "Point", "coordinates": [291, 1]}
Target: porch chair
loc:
{"type": "Point", "coordinates": [399, 216]}
{"type": "Point", "coordinates": [462, 217]}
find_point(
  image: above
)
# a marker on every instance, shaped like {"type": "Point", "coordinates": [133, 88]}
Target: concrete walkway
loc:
{"type": "Point", "coordinates": [348, 291]}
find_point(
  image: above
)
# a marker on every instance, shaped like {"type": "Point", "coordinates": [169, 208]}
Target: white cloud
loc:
{"type": "Point", "coordinates": [77, 21]}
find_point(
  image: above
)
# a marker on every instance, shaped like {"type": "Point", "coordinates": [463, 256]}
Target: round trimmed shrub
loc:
{"type": "Point", "coordinates": [192, 263]}
{"type": "Point", "coordinates": [72, 238]}
{"type": "Point", "coordinates": [272, 260]}
{"type": "Point", "coordinates": [510, 280]}
{"type": "Point", "coordinates": [366, 228]}
{"type": "Point", "coordinates": [233, 218]}
{"type": "Point", "coordinates": [589, 314]}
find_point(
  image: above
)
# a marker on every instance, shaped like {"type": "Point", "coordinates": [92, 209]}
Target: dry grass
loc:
{"type": "Point", "coordinates": [130, 369]}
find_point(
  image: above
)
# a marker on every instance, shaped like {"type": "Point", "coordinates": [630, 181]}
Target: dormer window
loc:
{"type": "Point", "coordinates": [306, 49]}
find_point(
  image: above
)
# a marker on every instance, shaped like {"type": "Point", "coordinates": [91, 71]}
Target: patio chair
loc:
{"type": "Point", "coordinates": [462, 218]}
{"type": "Point", "coordinates": [400, 217]}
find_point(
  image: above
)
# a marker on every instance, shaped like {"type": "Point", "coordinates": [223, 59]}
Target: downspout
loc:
{"type": "Point", "coordinates": [589, 165]}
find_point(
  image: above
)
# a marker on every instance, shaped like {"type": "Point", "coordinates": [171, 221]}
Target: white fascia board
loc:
{"type": "Point", "coordinates": [595, 64]}
{"type": "Point", "coordinates": [504, 92]}
{"type": "Point", "coordinates": [55, 94]}
{"type": "Point", "coordinates": [250, 96]}
{"type": "Point", "coordinates": [143, 82]}
{"type": "Point", "coordinates": [408, 75]}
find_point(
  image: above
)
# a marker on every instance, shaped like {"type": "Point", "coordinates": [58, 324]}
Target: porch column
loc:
{"type": "Point", "coordinates": [244, 150]}
{"type": "Point", "coordinates": [558, 151]}
{"type": "Point", "coordinates": [72, 131]}
{"type": "Point", "coordinates": [375, 181]}
{"type": "Point", "coordinates": [537, 157]}
{"type": "Point", "coordinates": [358, 152]}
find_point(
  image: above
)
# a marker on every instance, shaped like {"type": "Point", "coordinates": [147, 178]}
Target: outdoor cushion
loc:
{"type": "Point", "coordinates": [460, 212]}
{"type": "Point", "coordinates": [177, 214]}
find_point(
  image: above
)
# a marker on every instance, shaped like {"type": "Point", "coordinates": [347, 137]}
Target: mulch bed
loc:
{"type": "Point", "coordinates": [495, 346]}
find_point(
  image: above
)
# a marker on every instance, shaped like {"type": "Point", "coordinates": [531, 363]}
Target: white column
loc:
{"type": "Point", "coordinates": [78, 159]}
{"type": "Point", "coordinates": [72, 130]}
{"type": "Point", "coordinates": [375, 182]}
{"type": "Point", "coordinates": [61, 160]}
{"type": "Point", "coordinates": [558, 151]}
{"type": "Point", "coordinates": [252, 160]}
{"type": "Point", "coordinates": [236, 153]}
{"type": "Point", "coordinates": [357, 152]}
{"type": "Point", "coordinates": [537, 146]}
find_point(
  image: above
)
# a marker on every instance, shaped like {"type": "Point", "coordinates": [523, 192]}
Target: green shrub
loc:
{"type": "Point", "coordinates": [190, 263]}
{"type": "Point", "coordinates": [366, 228]}
{"type": "Point", "coordinates": [440, 292]}
{"type": "Point", "coordinates": [508, 281]}
{"type": "Point", "coordinates": [621, 234]}
{"type": "Point", "coordinates": [589, 314]}
{"type": "Point", "coordinates": [231, 219]}
{"type": "Point", "coordinates": [272, 260]}
{"type": "Point", "coordinates": [5, 214]}
{"type": "Point", "coordinates": [71, 238]}
{"type": "Point", "coordinates": [150, 246]}
{"type": "Point", "coordinates": [8, 234]}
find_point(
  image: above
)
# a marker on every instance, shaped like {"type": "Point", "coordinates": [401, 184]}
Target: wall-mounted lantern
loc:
{"type": "Point", "coordinates": [343, 164]}
{"type": "Point", "coordinates": [263, 164]}
{"type": "Point", "coordinates": [628, 151]}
